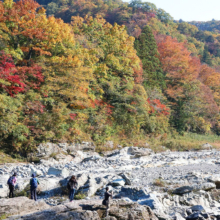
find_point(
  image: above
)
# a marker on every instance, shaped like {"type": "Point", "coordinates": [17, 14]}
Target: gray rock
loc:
{"type": "Point", "coordinates": [84, 146]}
{"type": "Point", "coordinates": [48, 149]}
{"type": "Point", "coordinates": [49, 161]}
{"type": "Point", "coordinates": [139, 152]}
{"type": "Point", "coordinates": [81, 179]}
{"type": "Point", "coordinates": [62, 158]}
{"type": "Point", "coordinates": [197, 208]}
{"type": "Point", "coordinates": [45, 150]}
{"type": "Point", "coordinates": [49, 186]}
{"type": "Point", "coordinates": [126, 178]}
{"type": "Point", "coordinates": [207, 186]}
{"type": "Point", "coordinates": [92, 158]}
{"type": "Point", "coordinates": [177, 216]}
{"type": "Point", "coordinates": [150, 200]}
{"type": "Point", "coordinates": [37, 172]}
{"type": "Point", "coordinates": [133, 193]}
{"type": "Point", "coordinates": [118, 182]}
{"type": "Point", "coordinates": [207, 146]}
{"type": "Point", "coordinates": [84, 210]}
{"type": "Point", "coordinates": [58, 172]}
{"type": "Point", "coordinates": [193, 199]}
{"type": "Point", "coordinates": [60, 212]}
{"type": "Point", "coordinates": [19, 205]}
{"type": "Point", "coordinates": [182, 190]}
{"type": "Point", "coordinates": [196, 216]}
{"type": "Point", "coordinates": [93, 184]}
{"type": "Point", "coordinates": [214, 178]}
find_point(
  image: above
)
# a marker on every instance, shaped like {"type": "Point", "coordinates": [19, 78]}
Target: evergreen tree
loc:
{"type": "Point", "coordinates": [146, 48]}
{"type": "Point", "coordinates": [206, 58]}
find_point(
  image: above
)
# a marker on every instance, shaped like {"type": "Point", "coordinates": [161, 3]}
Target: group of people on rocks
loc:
{"type": "Point", "coordinates": [34, 182]}
{"type": "Point", "coordinates": [71, 186]}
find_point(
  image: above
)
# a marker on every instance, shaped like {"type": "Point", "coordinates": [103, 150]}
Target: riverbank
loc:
{"type": "Point", "coordinates": [170, 183]}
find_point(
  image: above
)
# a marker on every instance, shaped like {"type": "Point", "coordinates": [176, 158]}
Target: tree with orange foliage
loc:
{"type": "Point", "coordinates": [28, 32]}
{"type": "Point", "coordinates": [211, 78]}
{"type": "Point", "coordinates": [188, 95]}
{"type": "Point", "coordinates": [178, 65]}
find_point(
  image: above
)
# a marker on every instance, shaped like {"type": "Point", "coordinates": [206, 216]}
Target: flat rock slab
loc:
{"type": "Point", "coordinates": [20, 205]}
{"type": "Point", "coordinates": [91, 210]}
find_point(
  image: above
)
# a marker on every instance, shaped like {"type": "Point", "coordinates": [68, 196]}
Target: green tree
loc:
{"type": "Point", "coordinates": [206, 58]}
{"type": "Point", "coordinates": [147, 51]}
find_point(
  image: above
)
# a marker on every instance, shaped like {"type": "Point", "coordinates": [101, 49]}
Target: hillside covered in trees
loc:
{"type": "Point", "coordinates": [96, 70]}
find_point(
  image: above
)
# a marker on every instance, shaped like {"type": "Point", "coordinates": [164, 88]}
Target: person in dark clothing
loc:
{"type": "Point", "coordinates": [11, 184]}
{"type": "Point", "coordinates": [106, 200]}
{"type": "Point", "coordinates": [33, 185]}
{"type": "Point", "coordinates": [72, 186]}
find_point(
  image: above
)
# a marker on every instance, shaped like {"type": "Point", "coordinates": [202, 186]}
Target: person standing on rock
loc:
{"type": "Point", "coordinates": [11, 184]}
{"type": "Point", "coordinates": [33, 185]}
{"type": "Point", "coordinates": [106, 200]}
{"type": "Point", "coordinates": [72, 186]}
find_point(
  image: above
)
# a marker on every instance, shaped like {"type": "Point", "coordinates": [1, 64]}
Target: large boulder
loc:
{"type": "Point", "coordinates": [207, 186]}
{"type": "Point", "coordinates": [58, 172]}
{"type": "Point", "coordinates": [193, 199]}
{"type": "Point", "coordinates": [137, 152]}
{"type": "Point", "coordinates": [60, 150]}
{"type": "Point", "coordinates": [63, 158]}
{"type": "Point", "coordinates": [155, 204]}
{"type": "Point", "coordinates": [20, 205]}
{"type": "Point", "coordinates": [81, 180]}
{"type": "Point", "coordinates": [83, 146]}
{"type": "Point", "coordinates": [131, 192]}
{"type": "Point", "coordinates": [49, 186]}
{"type": "Point", "coordinates": [183, 190]}
{"type": "Point", "coordinates": [142, 197]}
{"type": "Point", "coordinates": [207, 146]}
{"type": "Point", "coordinates": [49, 161]}
{"type": "Point", "coordinates": [124, 210]}
{"type": "Point", "coordinates": [195, 187]}
{"type": "Point", "coordinates": [130, 153]}
{"type": "Point", "coordinates": [215, 179]}
{"type": "Point", "coordinates": [118, 182]}
{"type": "Point", "coordinates": [36, 171]}
{"type": "Point", "coordinates": [197, 216]}
{"type": "Point", "coordinates": [23, 184]}
{"type": "Point", "coordinates": [126, 178]}
{"type": "Point", "coordinates": [197, 208]}
{"type": "Point", "coordinates": [47, 149]}
{"type": "Point", "coordinates": [94, 183]}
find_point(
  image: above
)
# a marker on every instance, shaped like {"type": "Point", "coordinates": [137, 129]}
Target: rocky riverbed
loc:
{"type": "Point", "coordinates": [174, 185]}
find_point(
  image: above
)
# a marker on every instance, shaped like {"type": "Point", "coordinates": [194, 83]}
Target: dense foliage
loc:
{"type": "Point", "coordinates": [113, 70]}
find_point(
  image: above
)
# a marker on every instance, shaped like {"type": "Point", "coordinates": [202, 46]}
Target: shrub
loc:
{"type": "Point", "coordinates": [159, 182]}
{"type": "Point", "coordinates": [79, 195]}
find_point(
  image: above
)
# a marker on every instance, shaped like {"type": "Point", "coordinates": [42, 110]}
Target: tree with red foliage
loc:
{"type": "Point", "coordinates": [10, 81]}
{"type": "Point", "coordinates": [31, 76]}
{"type": "Point", "coordinates": [157, 108]}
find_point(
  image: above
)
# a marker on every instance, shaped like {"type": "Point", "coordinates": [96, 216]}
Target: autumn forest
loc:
{"type": "Point", "coordinates": [99, 70]}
